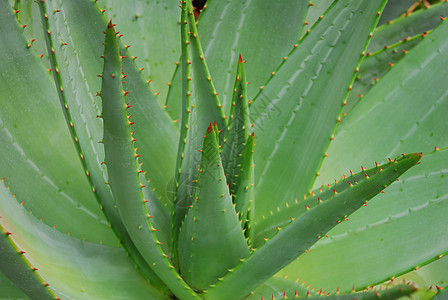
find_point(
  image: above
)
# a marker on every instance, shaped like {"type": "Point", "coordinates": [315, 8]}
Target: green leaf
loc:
{"type": "Point", "coordinates": [396, 292]}
{"type": "Point", "coordinates": [125, 177]}
{"type": "Point", "coordinates": [393, 223]}
{"type": "Point", "coordinates": [442, 294]}
{"type": "Point", "coordinates": [375, 66]}
{"type": "Point", "coordinates": [173, 103]}
{"type": "Point", "coordinates": [15, 265]}
{"type": "Point", "coordinates": [237, 131]}
{"type": "Point", "coordinates": [237, 150]}
{"type": "Point", "coordinates": [266, 260]}
{"type": "Point", "coordinates": [416, 23]}
{"type": "Point", "coordinates": [262, 32]}
{"type": "Point", "coordinates": [244, 196]}
{"type": "Point", "coordinates": [9, 290]}
{"type": "Point", "coordinates": [211, 240]}
{"type": "Point", "coordinates": [394, 9]}
{"type": "Point", "coordinates": [200, 106]}
{"type": "Point", "coordinates": [76, 80]}
{"type": "Point", "coordinates": [289, 113]}
{"type": "Point", "coordinates": [155, 133]}
{"type": "Point", "coordinates": [77, 92]}
{"type": "Point", "coordinates": [67, 264]}
{"type": "Point", "coordinates": [409, 104]}
{"type": "Point", "coordinates": [151, 28]}
{"type": "Point", "coordinates": [315, 10]}
{"type": "Point", "coordinates": [29, 16]}
{"type": "Point", "coordinates": [268, 227]}
{"type": "Point", "coordinates": [34, 139]}
{"type": "Point", "coordinates": [280, 288]}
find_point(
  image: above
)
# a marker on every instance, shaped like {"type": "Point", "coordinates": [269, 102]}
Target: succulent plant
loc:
{"type": "Point", "coordinates": [117, 185]}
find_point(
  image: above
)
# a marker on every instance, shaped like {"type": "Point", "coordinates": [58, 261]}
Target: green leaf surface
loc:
{"type": "Point", "coordinates": [70, 266]}
{"type": "Point", "coordinates": [409, 25]}
{"type": "Point", "coordinates": [75, 66]}
{"type": "Point", "coordinates": [155, 133]}
{"type": "Point", "coordinates": [442, 294]}
{"type": "Point", "coordinates": [262, 32]}
{"type": "Point", "coordinates": [427, 279]}
{"type": "Point", "coordinates": [211, 240]}
{"type": "Point", "coordinates": [77, 28]}
{"type": "Point", "coordinates": [173, 103]}
{"type": "Point", "coordinates": [34, 139]}
{"type": "Point", "coordinates": [298, 109]}
{"type": "Point", "coordinates": [396, 292]}
{"type": "Point", "coordinates": [394, 9]}
{"type": "Point", "coordinates": [385, 232]}
{"type": "Point", "coordinates": [407, 103]}
{"type": "Point", "coordinates": [9, 290]}
{"type": "Point", "coordinates": [376, 65]}
{"type": "Point", "coordinates": [29, 17]}
{"type": "Point", "coordinates": [237, 150]}
{"type": "Point", "coordinates": [268, 227]}
{"type": "Point", "coordinates": [67, 36]}
{"type": "Point", "coordinates": [200, 106]}
{"type": "Point", "coordinates": [244, 196]}
{"type": "Point", "coordinates": [151, 28]}
{"type": "Point", "coordinates": [15, 265]}
{"type": "Point", "coordinates": [278, 288]}
{"type": "Point", "coordinates": [285, 247]}
{"type": "Point", "coordinates": [125, 176]}
{"type": "Point", "coordinates": [315, 10]}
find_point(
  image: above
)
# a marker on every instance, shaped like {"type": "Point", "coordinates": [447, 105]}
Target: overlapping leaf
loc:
{"type": "Point", "coordinates": [296, 112]}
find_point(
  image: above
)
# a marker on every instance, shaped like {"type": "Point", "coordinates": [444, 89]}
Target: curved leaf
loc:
{"type": "Point", "coordinates": [386, 232]}
{"type": "Point", "coordinates": [298, 109]}
{"type": "Point", "coordinates": [125, 176]}
{"type": "Point", "coordinates": [70, 266]}
{"type": "Point", "coordinates": [34, 139]}
{"type": "Point", "coordinates": [305, 230]}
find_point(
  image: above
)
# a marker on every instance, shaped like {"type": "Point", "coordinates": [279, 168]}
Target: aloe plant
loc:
{"type": "Point", "coordinates": [167, 157]}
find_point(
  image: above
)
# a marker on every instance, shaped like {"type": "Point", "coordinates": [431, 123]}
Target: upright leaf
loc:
{"type": "Point", "coordinates": [237, 152]}
{"type": "Point", "coordinates": [155, 133]}
{"type": "Point", "coordinates": [211, 240]}
{"type": "Point", "coordinates": [263, 32]}
{"type": "Point", "coordinates": [125, 176]}
{"type": "Point", "coordinates": [200, 106]}
{"type": "Point", "coordinates": [296, 112]}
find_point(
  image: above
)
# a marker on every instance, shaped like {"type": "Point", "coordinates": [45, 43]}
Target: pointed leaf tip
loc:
{"type": "Point", "coordinates": [110, 25]}
{"type": "Point", "coordinates": [240, 60]}
{"type": "Point", "coordinates": [210, 128]}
